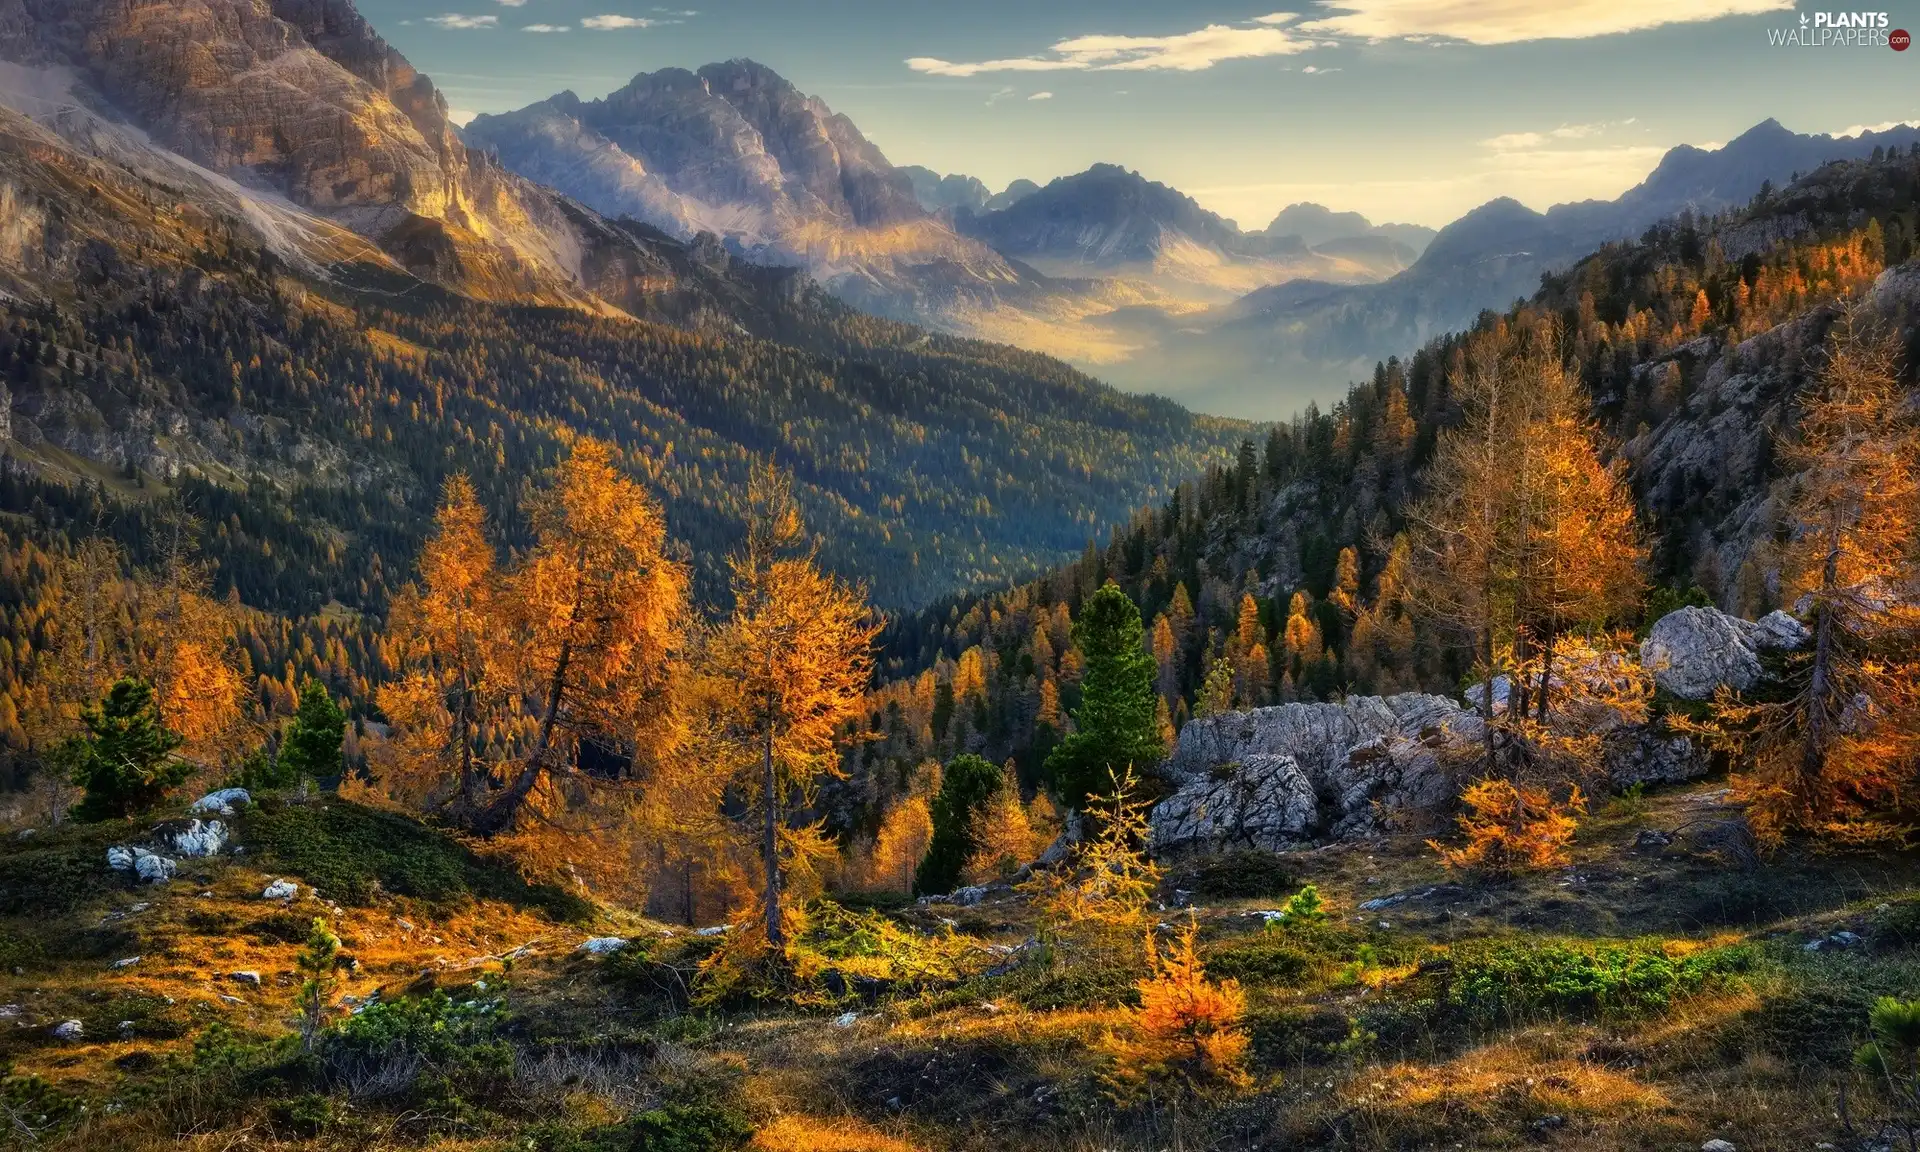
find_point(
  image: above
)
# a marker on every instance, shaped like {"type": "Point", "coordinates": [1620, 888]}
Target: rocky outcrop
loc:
{"type": "Point", "coordinates": [1274, 777]}
{"type": "Point", "coordinates": [1693, 652]}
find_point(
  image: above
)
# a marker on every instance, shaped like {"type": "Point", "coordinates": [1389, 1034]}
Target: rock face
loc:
{"type": "Point", "coordinates": [303, 101]}
{"type": "Point", "coordinates": [1693, 652]}
{"type": "Point", "coordinates": [736, 150]}
{"type": "Point", "coordinates": [1276, 777]}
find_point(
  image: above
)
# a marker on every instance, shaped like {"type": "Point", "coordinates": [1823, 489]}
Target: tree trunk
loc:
{"type": "Point", "coordinates": [1487, 699]}
{"type": "Point", "coordinates": [770, 839]}
{"type": "Point", "coordinates": [1813, 756]}
{"type": "Point", "coordinates": [1546, 676]}
{"type": "Point", "coordinates": [497, 815]}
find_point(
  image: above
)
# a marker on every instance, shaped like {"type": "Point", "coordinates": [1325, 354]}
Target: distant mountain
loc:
{"type": "Point", "coordinates": [736, 150]}
{"type": "Point", "coordinates": [1267, 354]}
{"type": "Point", "coordinates": [1109, 221]}
{"type": "Point", "coordinates": [1316, 224]}
{"type": "Point", "coordinates": [1104, 217]}
{"type": "Point", "coordinates": [938, 193]}
{"type": "Point", "coordinates": [1012, 194]}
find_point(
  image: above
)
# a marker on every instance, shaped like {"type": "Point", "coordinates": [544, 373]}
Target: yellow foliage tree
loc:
{"type": "Point", "coordinates": [1188, 1031]}
{"type": "Point", "coordinates": [901, 843]}
{"type": "Point", "coordinates": [1004, 838]}
{"type": "Point", "coordinates": [1836, 758]}
{"type": "Point", "coordinates": [1513, 828]}
{"type": "Point", "coordinates": [603, 619]}
{"type": "Point", "coordinates": [784, 672]}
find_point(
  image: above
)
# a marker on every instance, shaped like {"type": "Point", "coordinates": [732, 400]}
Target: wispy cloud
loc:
{"type": "Point", "coordinates": [1315, 70]}
{"type": "Point", "coordinates": [1526, 141]}
{"type": "Point", "coordinates": [604, 23]}
{"type": "Point", "coordinates": [1001, 94]}
{"type": "Point", "coordinates": [1182, 52]}
{"type": "Point", "coordinates": [510, 3]}
{"type": "Point", "coordinates": [546, 28]}
{"type": "Point", "coordinates": [457, 20]}
{"type": "Point", "coordinates": [1041, 96]}
{"type": "Point", "coordinates": [681, 12]}
{"type": "Point", "coordinates": [1514, 21]}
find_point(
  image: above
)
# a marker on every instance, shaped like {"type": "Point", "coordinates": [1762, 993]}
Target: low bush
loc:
{"type": "Point", "coordinates": [1079, 986]}
{"type": "Point", "coordinates": [345, 851]}
{"type": "Point", "coordinates": [1513, 982]}
{"type": "Point", "coordinates": [1236, 876]}
{"type": "Point", "coordinates": [1288, 1035]}
{"type": "Point", "coordinates": [1262, 960]}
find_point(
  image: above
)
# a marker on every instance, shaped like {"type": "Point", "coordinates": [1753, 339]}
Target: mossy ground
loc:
{"type": "Point", "coordinates": [1646, 997]}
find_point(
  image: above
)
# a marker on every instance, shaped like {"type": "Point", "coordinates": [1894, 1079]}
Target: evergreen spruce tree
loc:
{"type": "Point", "coordinates": [1115, 725]}
{"type": "Point", "coordinates": [125, 761]}
{"type": "Point", "coordinates": [966, 786]}
{"type": "Point", "coordinates": [311, 747]}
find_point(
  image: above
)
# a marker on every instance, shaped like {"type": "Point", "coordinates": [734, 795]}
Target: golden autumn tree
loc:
{"type": "Point", "coordinates": [1004, 838]}
{"type": "Point", "coordinates": [786, 669]}
{"type": "Point", "coordinates": [602, 623]}
{"type": "Point", "coordinates": [900, 844]}
{"type": "Point", "coordinates": [184, 642]}
{"type": "Point", "coordinates": [455, 683]}
{"type": "Point", "coordinates": [1836, 759]}
{"type": "Point", "coordinates": [1189, 1031]}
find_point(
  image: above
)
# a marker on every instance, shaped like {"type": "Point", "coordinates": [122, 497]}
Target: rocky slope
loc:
{"type": "Point", "coordinates": [296, 111]}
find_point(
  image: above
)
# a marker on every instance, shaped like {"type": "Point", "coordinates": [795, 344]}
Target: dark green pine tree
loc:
{"type": "Point", "coordinates": [125, 761]}
{"type": "Point", "coordinates": [311, 747]}
{"type": "Point", "coordinates": [966, 784]}
{"type": "Point", "coordinates": [1114, 725]}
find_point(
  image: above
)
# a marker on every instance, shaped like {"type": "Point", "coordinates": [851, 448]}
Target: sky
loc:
{"type": "Point", "coordinates": [1406, 110]}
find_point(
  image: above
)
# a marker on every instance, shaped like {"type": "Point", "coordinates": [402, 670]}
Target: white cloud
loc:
{"type": "Point", "coordinates": [456, 20]}
{"type": "Point", "coordinates": [1525, 141]}
{"type": "Point", "coordinates": [546, 28]}
{"type": "Point", "coordinates": [682, 12]}
{"type": "Point", "coordinates": [1184, 52]}
{"type": "Point", "coordinates": [608, 22]}
{"type": "Point", "coordinates": [461, 116]}
{"type": "Point", "coordinates": [510, 3]}
{"type": "Point", "coordinates": [1315, 70]}
{"type": "Point", "coordinates": [1883, 126]}
{"type": "Point", "coordinates": [1041, 96]}
{"type": "Point", "coordinates": [1513, 21]}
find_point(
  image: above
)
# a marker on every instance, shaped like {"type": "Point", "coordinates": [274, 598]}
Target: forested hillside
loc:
{"type": "Point", "coordinates": [1284, 575]}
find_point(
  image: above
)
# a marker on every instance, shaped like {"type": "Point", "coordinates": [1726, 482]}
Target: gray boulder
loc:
{"type": "Point", "coordinates": [225, 802]}
{"type": "Point", "coordinates": [1693, 652]}
{"type": "Point", "coordinates": [1280, 776]}
{"type": "Point", "coordinates": [151, 867]}
{"type": "Point", "coordinates": [69, 1032]}
{"type": "Point", "coordinates": [200, 840]}
{"type": "Point", "coordinates": [601, 945]}
{"type": "Point", "coordinates": [280, 890]}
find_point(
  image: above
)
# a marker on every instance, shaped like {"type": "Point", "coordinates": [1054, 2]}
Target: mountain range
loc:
{"type": "Point", "coordinates": [1269, 353]}
{"type": "Point", "coordinates": [247, 260]}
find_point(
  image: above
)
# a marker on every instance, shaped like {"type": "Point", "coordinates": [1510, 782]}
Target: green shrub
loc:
{"type": "Point", "coordinates": [1263, 960]}
{"type": "Point", "coordinates": [1513, 981]}
{"type": "Point", "coordinates": [344, 850]}
{"type": "Point", "coordinates": [1817, 1024]}
{"type": "Point", "coordinates": [1237, 876]}
{"type": "Point", "coordinates": [1079, 986]}
{"type": "Point", "coordinates": [965, 787]}
{"type": "Point", "coordinates": [700, 1126]}
{"type": "Point", "coordinates": [60, 874]}
{"type": "Point", "coordinates": [37, 1106]}
{"type": "Point", "coordinates": [1296, 1034]}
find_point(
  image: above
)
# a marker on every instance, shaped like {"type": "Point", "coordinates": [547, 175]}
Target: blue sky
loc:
{"type": "Point", "coordinates": [1410, 110]}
